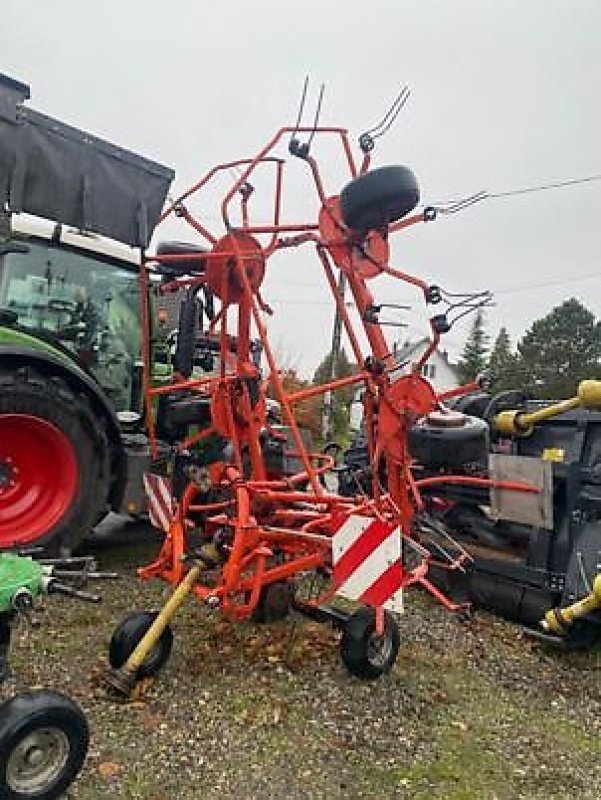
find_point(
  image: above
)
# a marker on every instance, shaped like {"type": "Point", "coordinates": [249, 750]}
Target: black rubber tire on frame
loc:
{"type": "Point", "coordinates": [128, 634]}
{"type": "Point", "coordinates": [437, 447]}
{"type": "Point", "coordinates": [34, 711]}
{"type": "Point", "coordinates": [378, 198]}
{"type": "Point", "coordinates": [26, 390]}
{"type": "Point", "coordinates": [356, 642]}
{"type": "Point", "coordinates": [274, 603]}
{"type": "Point", "coordinates": [183, 360]}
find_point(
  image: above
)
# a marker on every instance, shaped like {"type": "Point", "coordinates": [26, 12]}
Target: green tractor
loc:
{"type": "Point", "coordinates": [72, 445]}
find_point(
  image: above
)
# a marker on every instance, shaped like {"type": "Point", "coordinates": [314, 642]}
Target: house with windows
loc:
{"type": "Point", "coordinates": [438, 370]}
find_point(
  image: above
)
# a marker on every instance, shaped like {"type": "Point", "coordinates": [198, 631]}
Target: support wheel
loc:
{"type": "Point", "coordinates": [43, 744]}
{"type": "Point", "coordinates": [274, 602]}
{"type": "Point", "coordinates": [126, 637]}
{"type": "Point", "coordinates": [364, 653]}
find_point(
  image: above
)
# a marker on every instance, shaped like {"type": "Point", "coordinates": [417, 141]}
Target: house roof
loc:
{"type": "Point", "coordinates": [409, 348]}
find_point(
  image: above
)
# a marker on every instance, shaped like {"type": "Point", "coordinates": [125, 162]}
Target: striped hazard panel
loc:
{"type": "Point", "coordinates": [160, 501]}
{"type": "Point", "coordinates": [366, 554]}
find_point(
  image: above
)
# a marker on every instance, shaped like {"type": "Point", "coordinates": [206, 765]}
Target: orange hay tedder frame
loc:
{"type": "Point", "coordinates": [256, 531]}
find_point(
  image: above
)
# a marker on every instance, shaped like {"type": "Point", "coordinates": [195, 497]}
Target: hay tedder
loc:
{"type": "Point", "coordinates": [241, 499]}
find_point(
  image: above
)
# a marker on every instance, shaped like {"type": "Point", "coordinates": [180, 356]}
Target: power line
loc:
{"type": "Point", "coordinates": [544, 186]}
{"type": "Point", "coordinates": [545, 284]}
{"type": "Point", "coordinates": [453, 206]}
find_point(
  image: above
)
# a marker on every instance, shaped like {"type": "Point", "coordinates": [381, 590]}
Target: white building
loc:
{"type": "Point", "coordinates": [438, 370]}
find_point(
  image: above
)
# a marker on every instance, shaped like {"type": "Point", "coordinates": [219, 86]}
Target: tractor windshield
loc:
{"type": "Point", "coordinates": [87, 304]}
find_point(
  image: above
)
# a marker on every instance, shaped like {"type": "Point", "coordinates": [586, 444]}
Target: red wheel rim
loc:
{"type": "Point", "coordinates": [38, 477]}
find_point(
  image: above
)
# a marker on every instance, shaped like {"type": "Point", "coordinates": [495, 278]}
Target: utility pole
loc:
{"type": "Point", "coordinates": [328, 400]}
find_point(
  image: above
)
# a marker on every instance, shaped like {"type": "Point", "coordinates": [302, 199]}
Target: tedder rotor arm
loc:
{"type": "Point", "coordinates": [521, 423]}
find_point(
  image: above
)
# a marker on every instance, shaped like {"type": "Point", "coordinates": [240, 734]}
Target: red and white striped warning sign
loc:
{"type": "Point", "coordinates": [160, 502]}
{"type": "Point", "coordinates": [366, 554]}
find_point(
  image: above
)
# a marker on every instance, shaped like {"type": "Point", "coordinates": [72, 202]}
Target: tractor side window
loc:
{"type": "Point", "coordinates": [84, 304]}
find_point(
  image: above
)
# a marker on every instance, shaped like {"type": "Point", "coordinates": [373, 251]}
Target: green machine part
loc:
{"type": "Point", "coordinates": [18, 573]}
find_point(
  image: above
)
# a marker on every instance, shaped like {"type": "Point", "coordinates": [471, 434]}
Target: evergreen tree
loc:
{"type": "Point", "coordinates": [473, 357]}
{"type": "Point", "coordinates": [502, 362]}
{"type": "Point", "coordinates": [341, 398]}
{"type": "Point", "coordinates": [559, 350]}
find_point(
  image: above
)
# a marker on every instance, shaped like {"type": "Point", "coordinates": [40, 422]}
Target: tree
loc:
{"type": "Point", "coordinates": [473, 357]}
{"type": "Point", "coordinates": [341, 398]}
{"type": "Point", "coordinates": [559, 350]}
{"type": "Point", "coordinates": [502, 362]}
{"type": "Point", "coordinates": [307, 413]}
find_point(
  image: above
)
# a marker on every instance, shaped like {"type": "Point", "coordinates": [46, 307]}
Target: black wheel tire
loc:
{"type": "Point", "coordinates": [449, 448]}
{"type": "Point", "coordinates": [363, 653]}
{"type": "Point", "coordinates": [40, 719]}
{"type": "Point", "coordinates": [274, 602]}
{"type": "Point", "coordinates": [379, 197]}
{"type": "Point", "coordinates": [183, 360]}
{"type": "Point", "coordinates": [128, 634]}
{"type": "Point", "coordinates": [26, 390]}
{"type": "Point", "coordinates": [583, 635]}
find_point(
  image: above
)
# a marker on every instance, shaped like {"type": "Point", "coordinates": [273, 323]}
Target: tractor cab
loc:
{"type": "Point", "coordinates": [75, 299]}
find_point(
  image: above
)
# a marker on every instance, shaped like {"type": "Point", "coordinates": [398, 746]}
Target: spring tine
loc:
{"type": "Point", "coordinates": [391, 114]}
{"type": "Point", "coordinates": [322, 89]}
{"type": "Point", "coordinates": [459, 205]}
{"type": "Point", "coordinates": [301, 108]}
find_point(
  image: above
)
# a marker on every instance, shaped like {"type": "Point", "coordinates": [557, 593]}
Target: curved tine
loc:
{"type": "Point", "coordinates": [466, 295]}
{"type": "Point", "coordinates": [459, 205]}
{"type": "Point", "coordinates": [322, 89]}
{"type": "Point", "coordinates": [301, 108]}
{"type": "Point", "coordinates": [467, 311]}
{"type": "Point", "coordinates": [393, 111]}
{"type": "Point", "coordinates": [387, 127]}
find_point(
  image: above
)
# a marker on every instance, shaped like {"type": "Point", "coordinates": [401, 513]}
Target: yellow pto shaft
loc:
{"type": "Point", "coordinates": [560, 620]}
{"type": "Point", "coordinates": [123, 679]}
{"type": "Point", "coordinates": [521, 423]}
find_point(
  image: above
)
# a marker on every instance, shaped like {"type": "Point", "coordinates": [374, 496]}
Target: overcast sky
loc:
{"type": "Point", "coordinates": [505, 94]}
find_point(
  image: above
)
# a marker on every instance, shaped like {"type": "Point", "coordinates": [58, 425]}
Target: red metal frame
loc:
{"type": "Point", "coordinates": [276, 529]}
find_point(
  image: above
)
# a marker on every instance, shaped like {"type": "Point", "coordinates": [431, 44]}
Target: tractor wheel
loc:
{"type": "Point", "coordinates": [127, 636]}
{"type": "Point", "coordinates": [53, 462]}
{"type": "Point", "coordinates": [364, 653]}
{"type": "Point", "coordinates": [379, 197]}
{"type": "Point", "coordinates": [43, 744]}
{"type": "Point", "coordinates": [274, 603]}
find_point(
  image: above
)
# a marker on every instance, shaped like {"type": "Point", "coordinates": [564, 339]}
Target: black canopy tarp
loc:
{"type": "Point", "coordinates": [58, 172]}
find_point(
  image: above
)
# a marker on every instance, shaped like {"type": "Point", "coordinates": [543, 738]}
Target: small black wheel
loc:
{"type": "Point", "coordinates": [364, 653]}
{"type": "Point", "coordinates": [274, 602]}
{"type": "Point", "coordinates": [183, 359]}
{"type": "Point", "coordinates": [583, 635]}
{"type": "Point", "coordinates": [128, 634]}
{"type": "Point", "coordinates": [44, 740]}
{"type": "Point", "coordinates": [379, 197]}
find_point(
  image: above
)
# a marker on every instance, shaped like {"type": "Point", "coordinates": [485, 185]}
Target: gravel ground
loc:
{"type": "Point", "coordinates": [470, 710]}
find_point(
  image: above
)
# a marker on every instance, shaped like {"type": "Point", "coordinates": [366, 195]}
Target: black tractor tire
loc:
{"type": "Point", "coordinates": [365, 654]}
{"type": "Point", "coordinates": [44, 741]}
{"type": "Point", "coordinates": [183, 360]}
{"type": "Point", "coordinates": [274, 603]}
{"type": "Point", "coordinates": [378, 198]}
{"type": "Point", "coordinates": [49, 398]}
{"type": "Point", "coordinates": [129, 633]}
